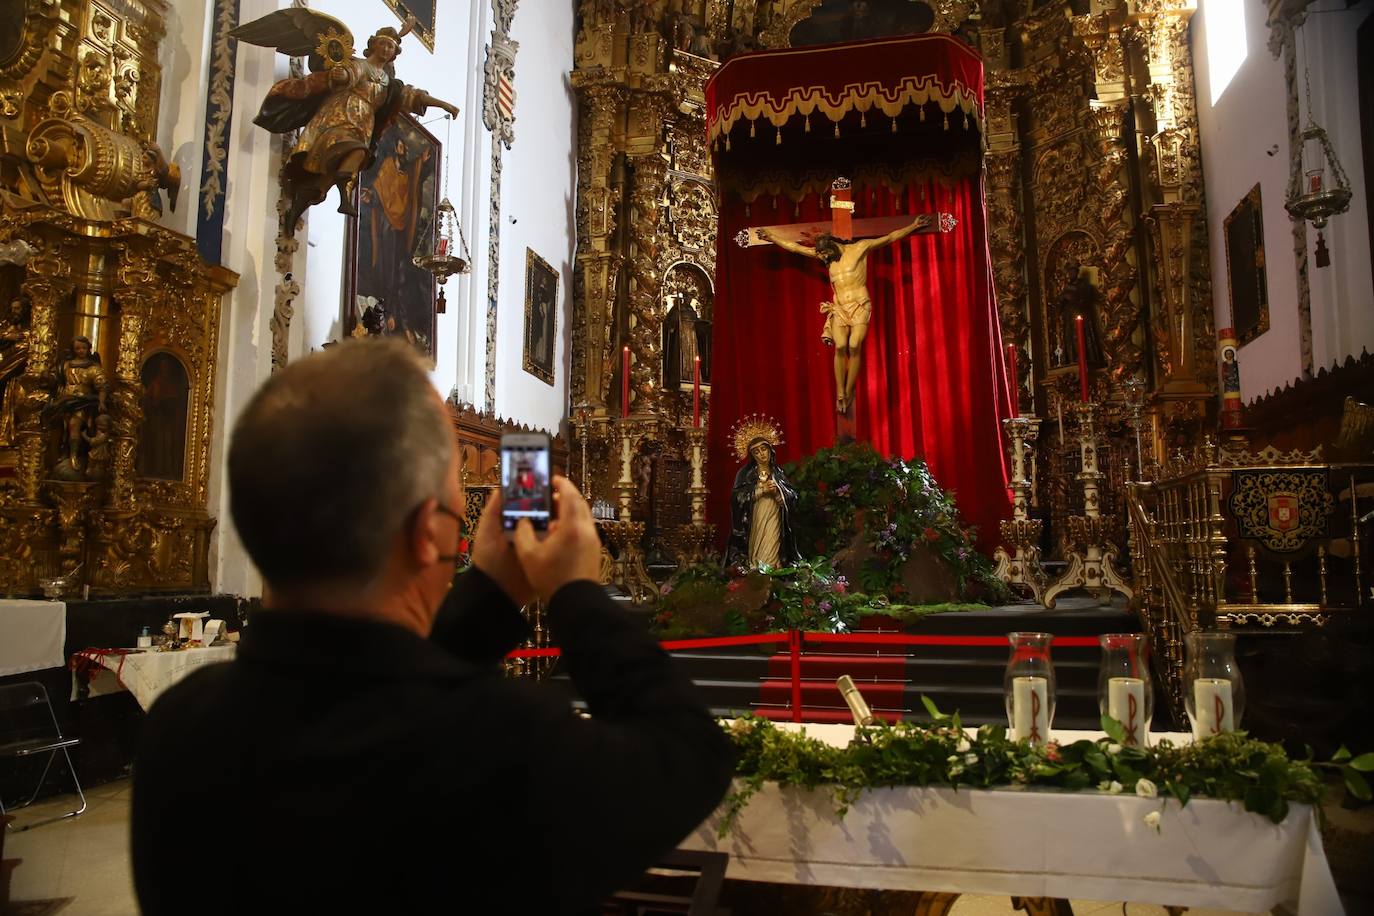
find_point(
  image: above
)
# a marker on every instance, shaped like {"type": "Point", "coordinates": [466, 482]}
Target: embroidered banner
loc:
{"type": "Point", "coordinates": [1282, 509]}
{"type": "Point", "coordinates": [219, 110]}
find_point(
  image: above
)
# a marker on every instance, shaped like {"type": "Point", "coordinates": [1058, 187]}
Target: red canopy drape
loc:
{"type": "Point", "coordinates": [932, 383]}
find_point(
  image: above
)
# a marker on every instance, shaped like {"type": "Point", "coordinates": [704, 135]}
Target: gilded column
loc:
{"type": "Point", "coordinates": [598, 262]}
{"type": "Point", "coordinates": [46, 284]}
{"type": "Point", "coordinates": [646, 195]}
{"type": "Point", "coordinates": [137, 292]}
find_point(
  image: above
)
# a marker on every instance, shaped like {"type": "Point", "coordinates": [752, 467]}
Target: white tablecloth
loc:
{"type": "Point", "coordinates": [1085, 845]}
{"type": "Point", "coordinates": [146, 674]}
{"type": "Point", "coordinates": [32, 634]}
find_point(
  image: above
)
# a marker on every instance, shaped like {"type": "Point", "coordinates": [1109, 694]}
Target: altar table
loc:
{"type": "Point", "coordinates": [1029, 843]}
{"type": "Point", "coordinates": [32, 634]}
{"type": "Point", "coordinates": [146, 673]}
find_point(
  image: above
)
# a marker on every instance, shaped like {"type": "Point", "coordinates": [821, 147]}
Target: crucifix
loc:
{"type": "Point", "coordinates": [842, 244]}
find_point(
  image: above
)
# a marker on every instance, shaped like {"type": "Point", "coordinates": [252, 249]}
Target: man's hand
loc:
{"type": "Point", "coordinates": [494, 555]}
{"type": "Point", "coordinates": [572, 550]}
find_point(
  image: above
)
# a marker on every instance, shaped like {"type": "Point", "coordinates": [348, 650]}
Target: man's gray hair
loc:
{"type": "Point", "coordinates": [330, 459]}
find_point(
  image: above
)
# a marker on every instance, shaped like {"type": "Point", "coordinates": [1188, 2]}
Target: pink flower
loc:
{"type": "Point", "coordinates": [734, 585]}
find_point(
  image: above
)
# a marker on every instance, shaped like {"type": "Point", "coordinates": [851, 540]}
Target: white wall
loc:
{"type": "Point", "coordinates": [1246, 123]}
{"type": "Point", "coordinates": [538, 179]}
{"type": "Point", "coordinates": [538, 190]}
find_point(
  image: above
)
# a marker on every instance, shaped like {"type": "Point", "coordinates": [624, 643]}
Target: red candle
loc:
{"type": "Point", "coordinates": [625, 382]}
{"type": "Point", "coordinates": [1082, 359]}
{"type": "Point", "coordinates": [1012, 381]}
{"type": "Point", "coordinates": [696, 393]}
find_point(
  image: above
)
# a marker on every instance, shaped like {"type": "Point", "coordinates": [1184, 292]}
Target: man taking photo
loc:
{"type": "Point", "coordinates": [363, 752]}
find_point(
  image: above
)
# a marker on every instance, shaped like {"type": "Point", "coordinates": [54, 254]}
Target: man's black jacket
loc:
{"type": "Point", "coordinates": [342, 766]}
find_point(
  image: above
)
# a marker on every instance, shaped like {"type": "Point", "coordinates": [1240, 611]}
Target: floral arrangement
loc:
{"type": "Point", "coordinates": [897, 506]}
{"type": "Point", "coordinates": [702, 600]}
{"type": "Point", "coordinates": [1233, 767]}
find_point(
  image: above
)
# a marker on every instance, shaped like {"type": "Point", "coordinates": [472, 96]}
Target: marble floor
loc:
{"type": "Point", "coordinates": [85, 861]}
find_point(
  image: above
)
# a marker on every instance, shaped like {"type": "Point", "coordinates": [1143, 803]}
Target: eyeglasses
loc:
{"type": "Point", "coordinates": [445, 510]}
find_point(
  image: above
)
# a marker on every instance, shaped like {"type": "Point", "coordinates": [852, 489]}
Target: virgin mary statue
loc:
{"type": "Point", "coordinates": [761, 501]}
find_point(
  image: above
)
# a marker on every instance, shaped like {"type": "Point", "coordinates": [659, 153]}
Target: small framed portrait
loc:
{"type": "Point", "coordinates": [1246, 281]}
{"type": "Point", "coordinates": [541, 311]}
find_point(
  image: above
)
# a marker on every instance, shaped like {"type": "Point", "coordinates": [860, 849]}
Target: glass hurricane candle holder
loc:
{"type": "Point", "coordinates": [1028, 686]}
{"type": "Point", "coordinates": [1125, 690]}
{"type": "Point", "coordinates": [1214, 691]}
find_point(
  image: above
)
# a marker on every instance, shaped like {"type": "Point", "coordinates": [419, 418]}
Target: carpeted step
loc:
{"type": "Point", "coordinates": [859, 667]}
{"type": "Point", "coordinates": [824, 714]}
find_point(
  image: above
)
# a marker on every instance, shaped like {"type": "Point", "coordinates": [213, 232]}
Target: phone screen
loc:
{"type": "Point", "coordinates": [525, 484]}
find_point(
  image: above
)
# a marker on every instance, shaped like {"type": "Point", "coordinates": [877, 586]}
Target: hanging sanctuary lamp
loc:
{"type": "Point", "coordinates": [442, 250]}
{"type": "Point", "coordinates": [1318, 189]}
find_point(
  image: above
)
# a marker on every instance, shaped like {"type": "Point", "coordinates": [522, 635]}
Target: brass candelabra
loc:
{"type": "Point", "coordinates": [1021, 566]}
{"type": "Point", "coordinates": [1092, 559]}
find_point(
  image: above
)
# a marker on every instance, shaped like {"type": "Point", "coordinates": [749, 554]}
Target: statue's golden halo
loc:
{"type": "Point", "coordinates": [752, 427]}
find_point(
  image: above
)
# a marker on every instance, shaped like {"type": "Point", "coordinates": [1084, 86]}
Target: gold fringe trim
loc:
{"type": "Point", "coordinates": [863, 97]}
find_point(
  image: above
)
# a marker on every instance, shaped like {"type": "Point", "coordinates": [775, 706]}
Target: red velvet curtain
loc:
{"type": "Point", "coordinates": [932, 383]}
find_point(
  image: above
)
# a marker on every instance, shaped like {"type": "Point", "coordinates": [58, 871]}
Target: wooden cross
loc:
{"type": "Point", "coordinates": [842, 224]}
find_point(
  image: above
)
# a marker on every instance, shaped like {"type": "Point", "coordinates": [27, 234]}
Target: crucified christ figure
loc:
{"type": "Point", "coordinates": [847, 316]}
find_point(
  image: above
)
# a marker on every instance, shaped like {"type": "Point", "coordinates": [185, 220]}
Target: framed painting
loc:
{"type": "Point", "coordinates": [396, 198]}
{"type": "Point", "coordinates": [424, 13]}
{"type": "Point", "coordinates": [1245, 278]}
{"type": "Point", "coordinates": [541, 310]}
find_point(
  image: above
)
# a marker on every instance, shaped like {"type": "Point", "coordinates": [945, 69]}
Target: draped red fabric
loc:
{"type": "Point", "coordinates": [932, 382]}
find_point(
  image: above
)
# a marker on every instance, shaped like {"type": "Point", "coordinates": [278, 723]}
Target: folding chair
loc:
{"type": "Point", "coordinates": [28, 727]}
{"type": "Point", "coordinates": [652, 897]}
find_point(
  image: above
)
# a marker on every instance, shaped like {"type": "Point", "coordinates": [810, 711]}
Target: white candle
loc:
{"type": "Point", "coordinates": [1212, 699]}
{"type": "Point", "coordinates": [1126, 704]}
{"type": "Point", "coordinates": [1030, 709]}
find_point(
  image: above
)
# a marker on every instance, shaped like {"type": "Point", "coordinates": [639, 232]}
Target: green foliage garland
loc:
{"type": "Point", "coordinates": [1232, 767]}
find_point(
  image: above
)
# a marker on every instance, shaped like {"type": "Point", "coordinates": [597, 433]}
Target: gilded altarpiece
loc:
{"type": "Point", "coordinates": [1094, 198]}
{"type": "Point", "coordinates": [109, 339]}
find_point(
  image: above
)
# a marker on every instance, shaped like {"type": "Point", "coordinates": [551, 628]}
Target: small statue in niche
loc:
{"type": "Point", "coordinates": [680, 343]}
{"type": "Point", "coordinates": [644, 477]}
{"type": "Point", "coordinates": [341, 108]}
{"type": "Point", "coordinates": [761, 500]}
{"type": "Point", "coordinates": [1078, 295]}
{"type": "Point", "coordinates": [81, 393]}
{"type": "Point", "coordinates": [98, 448]}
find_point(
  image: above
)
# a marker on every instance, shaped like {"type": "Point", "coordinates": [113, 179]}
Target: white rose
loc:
{"type": "Point", "coordinates": [1113, 749]}
{"type": "Point", "coordinates": [970, 759]}
{"type": "Point", "coordinates": [1115, 787]}
{"type": "Point", "coordinates": [1146, 789]}
{"type": "Point", "coordinates": [953, 758]}
{"type": "Point", "coordinates": [963, 746]}
{"type": "Point", "coordinates": [1152, 820]}
{"type": "Point", "coordinates": [955, 771]}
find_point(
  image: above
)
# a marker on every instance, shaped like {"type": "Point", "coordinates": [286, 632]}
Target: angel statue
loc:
{"type": "Point", "coordinates": [761, 501]}
{"type": "Point", "coordinates": [341, 108]}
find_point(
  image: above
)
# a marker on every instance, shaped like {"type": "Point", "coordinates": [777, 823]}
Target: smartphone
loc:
{"type": "Point", "coordinates": [525, 480]}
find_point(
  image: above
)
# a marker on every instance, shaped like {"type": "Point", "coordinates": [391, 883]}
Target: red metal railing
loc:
{"type": "Point", "coordinates": [794, 639]}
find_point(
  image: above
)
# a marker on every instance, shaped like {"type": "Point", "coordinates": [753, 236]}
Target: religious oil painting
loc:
{"type": "Point", "coordinates": [424, 13]}
{"type": "Point", "coordinates": [396, 198]}
{"type": "Point", "coordinates": [1249, 289]}
{"type": "Point", "coordinates": [860, 20]}
{"type": "Point", "coordinates": [541, 309]}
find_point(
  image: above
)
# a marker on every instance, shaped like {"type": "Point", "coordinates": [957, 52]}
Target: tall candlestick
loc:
{"type": "Point", "coordinates": [625, 382]}
{"type": "Point", "coordinates": [1013, 381]}
{"type": "Point", "coordinates": [1082, 359]}
{"type": "Point", "coordinates": [696, 392]}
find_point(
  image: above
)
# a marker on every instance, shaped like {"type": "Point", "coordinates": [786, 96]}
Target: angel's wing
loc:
{"type": "Point", "coordinates": [294, 31]}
